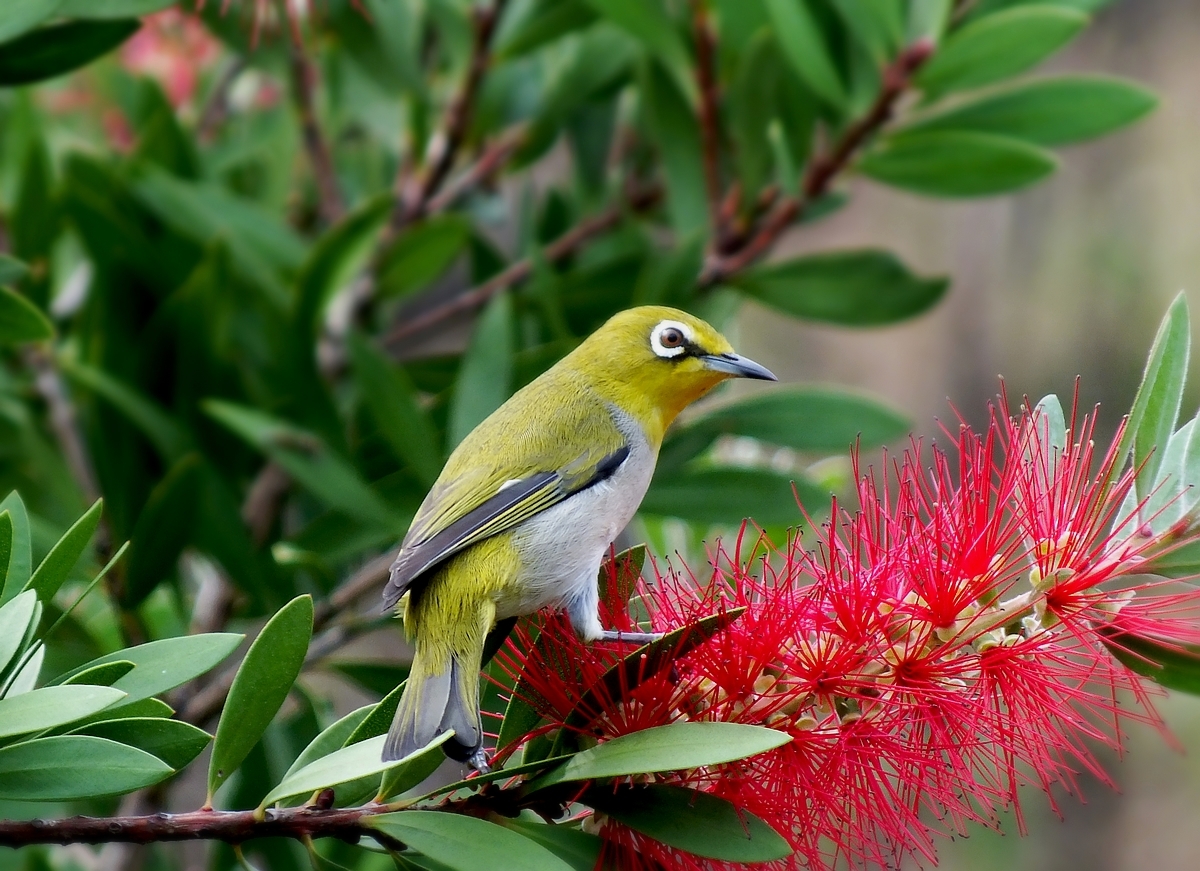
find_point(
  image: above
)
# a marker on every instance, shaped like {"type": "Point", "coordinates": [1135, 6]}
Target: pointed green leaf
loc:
{"type": "Point", "coordinates": [339, 256]}
{"type": "Point", "coordinates": [103, 675]}
{"type": "Point", "coordinates": [47, 769]}
{"type": "Point", "coordinates": [342, 766]}
{"type": "Point", "coordinates": [15, 617]}
{"type": "Point", "coordinates": [927, 19]}
{"type": "Point", "coordinates": [21, 16]}
{"type": "Point", "coordinates": [411, 774]}
{"type": "Point", "coordinates": [30, 667]}
{"type": "Point", "coordinates": [163, 665]}
{"type": "Point", "coordinates": [485, 377]}
{"type": "Point", "coordinates": [391, 398]}
{"type": "Point", "coordinates": [60, 48]}
{"type": "Point", "coordinates": [48, 707]}
{"type": "Point", "coordinates": [1167, 663]}
{"type": "Point", "coordinates": [1156, 404]}
{"type": "Point", "coordinates": [579, 849]}
{"type": "Point", "coordinates": [463, 843]}
{"type": "Point", "coordinates": [20, 549]}
{"type": "Point", "coordinates": [998, 46]}
{"type": "Point", "coordinates": [805, 48]}
{"type": "Point", "coordinates": [379, 720]}
{"type": "Point", "coordinates": [676, 134]}
{"type": "Point", "coordinates": [954, 163]}
{"type": "Point", "coordinates": [692, 821]}
{"type": "Point", "coordinates": [420, 254]}
{"type": "Point", "coordinates": [1057, 111]}
{"type": "Point", "coordinates": [330, 739]}
{"type": "Point", "coordinates": [676, 747]}
{"type": "Point", "coordinates": [261, 685]}
{"type": "Point", "coordinates": [648, 22]}
{"type": "Point", "coordinates": [21, 321]}
{"type": "Point", "coordinates": [56, 567]}
{"type": "Point", "coordinates": [174, 742]}
{"type": "Point", "coordinates": [306, 458]}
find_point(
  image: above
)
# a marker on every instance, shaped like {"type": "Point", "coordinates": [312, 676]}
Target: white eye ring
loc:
{"type": "Point", "coordinates": [656, 336]}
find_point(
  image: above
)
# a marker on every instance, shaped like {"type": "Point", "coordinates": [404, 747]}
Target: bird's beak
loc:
{"type": "Point", "coordinates": [737, 366]}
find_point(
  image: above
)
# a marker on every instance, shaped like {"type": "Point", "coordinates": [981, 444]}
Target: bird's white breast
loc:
{"type": "Point", "coordinates": [561, 548]}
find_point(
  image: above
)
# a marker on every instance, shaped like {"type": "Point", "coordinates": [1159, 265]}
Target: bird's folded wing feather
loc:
{"type": "Point", "coordinates": [475, 499]}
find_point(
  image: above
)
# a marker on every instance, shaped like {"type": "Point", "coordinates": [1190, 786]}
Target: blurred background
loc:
{"type": "Point", "coordinates": [1069, 277]}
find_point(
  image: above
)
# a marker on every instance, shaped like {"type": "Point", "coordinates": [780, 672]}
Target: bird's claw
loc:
{"type": "Point", "coordinates": [479, 761]}
{"type": "Point", "coordinates": [630, 637]}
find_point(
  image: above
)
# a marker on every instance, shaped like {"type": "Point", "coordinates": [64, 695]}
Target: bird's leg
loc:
{"type": "Point", "coordinates": [479, 761]}
{"type": "Point", "coordinates": [629, 637]}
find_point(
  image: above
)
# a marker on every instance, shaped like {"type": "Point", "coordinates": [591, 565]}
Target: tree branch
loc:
{"type": "Point", "coordinates": [443, 147]}
{"type": "Point", "coordinates": [231, 827]}
{"type": "Point", "coordinates": [822, 170]}
{"type": "Point", "coordinates": [304, 85]}
{"type": "Point", "coordinates": [568, 243]}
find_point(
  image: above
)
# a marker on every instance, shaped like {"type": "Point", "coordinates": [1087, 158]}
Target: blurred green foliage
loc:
{"type": "Point", "coordinates": [241, 261]}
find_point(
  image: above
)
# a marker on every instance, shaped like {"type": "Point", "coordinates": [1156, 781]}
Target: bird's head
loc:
{"type": "Point", "coordinates": [653, 361]}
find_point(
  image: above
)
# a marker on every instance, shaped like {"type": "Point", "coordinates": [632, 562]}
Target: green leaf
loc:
{"type": "Point", "coordinates": [855, 288]}
{"type": "Point", "coordinates": [174, 742]}
{"type": "Point", "coordinates": [339, 256]}
{"type": "Point", "coordinates": [463, 843]}
{"type": "Point", "coordinates": [1057, 111]}
{"type": "Point", "coordinates": [676, 134]}
{"type": "Point", "coordinates": [111, 8]}
{"type": "Point", "coordinates": [15, 617]}
{"type": "Point", "coordinates": [876, 24]}
{"type": "Point", "coordinates": [20, 548]}
{"type": "Point", "coordinates": [342, 766]}
{"type": "Point", "coordinates": [20, 320]}
{"type": "Point", "coordinates": [648, 22]}
{"type": "Point", "coordinates": [12, 270]}
{"type": "Point", "coordinates": [383, 37]}
{"type": "Point", "coordinates": [379, 720]}
{"type": "Point", "coordinates": [692, 821]}
{"type": "Point", "coordinates": [545, 22]}
{"type": "Point", "coordinates": [1156, 404]}
{"type": "Point", "coordinates": [956, 163]}
{"type": "Point", "coordinates": [819, 419]}
{"type": "Point", "coordinates": [163, 528]}
{"type": "Point", "coordinates": [1167, 663]}
{"type": "Point", "coordinates": [927, 19]}
{"type": "Point", "coordinates": [154, 422]}
{"type": "Point", "coordinates": [391, 398]}
{"type": "Point", "coordinates": [48, 707]}
{"type": "Point", "coordinates": [579, 849]}
{"type": "Point", "coordinates": [103, 675]}
{"type": "Point", "coordinates": [998, 46]}
{"type": "Point", "coordinates": [261, 685]}
{"type": "Point", "coordinates": [21, 16]}
{"type": "Point", "coordinates": [163, 665]}
{"type": "Point", "coordinates": [728, 495]}
{"type": "Point", "coordinates": [56, 567]}
{"type": "Point", "coordinates": [676, 747]}
{"type": "Point", "coordinates": [48, 769]}
{"type": "Point", "coordinates": [60, 48]}
{"type": "Point", "coordinates": [804, 47]}
{"type": "Point", "coordinates": [307, 459]}
{"type": "Point", "coordinates": [420, 254]}
{"type": "Point", "coordinates": [485, 377]}
{"type": "Point", "coordinates": [412, 773]}
{"type": "Point", "coordinates": [330, 739]}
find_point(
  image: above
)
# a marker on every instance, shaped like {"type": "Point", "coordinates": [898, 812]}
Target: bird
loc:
{"type": "Point", "coordinates": [529, 503]}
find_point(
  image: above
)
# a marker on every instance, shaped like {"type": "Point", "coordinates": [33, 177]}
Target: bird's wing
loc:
{"type": "Point", "coordinates": [475, 499]}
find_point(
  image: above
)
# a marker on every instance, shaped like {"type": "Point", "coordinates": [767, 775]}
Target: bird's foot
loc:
{"type": "Point", "coordinates": [629, 637]}
{"type": "Point", "coordinates": [479, 761]}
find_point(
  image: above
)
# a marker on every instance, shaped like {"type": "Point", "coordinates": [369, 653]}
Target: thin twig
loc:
{"type": "Point", "coordinates": [416, 193]}
{"type": "Point", "coordinates": [490, 161]}
{"type": "Point", "coordinates": [216, 110]}
{"type": "Point", "coordinates": [264, 500]}
{"type": "Point", "coordinates": [304, 86]}
{"type": "Point", "coordinates": [565, 245]}
{"type": "Point", "coordinates": [822, 171]}
{"type": "Point", "coordinates": [710, 123]}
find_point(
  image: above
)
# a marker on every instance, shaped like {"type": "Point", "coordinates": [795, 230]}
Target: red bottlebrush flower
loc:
{"type": "Point", "coordinates": [173, 48]}
{"type": "Point", "coordinates": [947, 643]}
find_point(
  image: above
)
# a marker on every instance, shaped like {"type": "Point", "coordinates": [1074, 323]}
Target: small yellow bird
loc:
{"type": "Point", "coordinates": [528, 504]}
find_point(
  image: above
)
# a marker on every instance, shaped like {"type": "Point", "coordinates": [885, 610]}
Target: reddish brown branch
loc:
{"type": "Point", "coordinates": [710, 123]}
{"type": "Point", "coordinates": [822, 170]}
{"type": "Point", "coordinates": [304, 86]}
{"type": "Point", "coordinates": [231, 827]}
{"type": "Point", "coordinates": [489, 162]}
{"type": "Point", "coordinates": [443, 147]}
{"type": "Point", "coordinates": [566, 244]}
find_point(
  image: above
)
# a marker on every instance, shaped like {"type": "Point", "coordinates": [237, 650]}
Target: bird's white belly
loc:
{"type": "Point", "coordinates": [561, 548]}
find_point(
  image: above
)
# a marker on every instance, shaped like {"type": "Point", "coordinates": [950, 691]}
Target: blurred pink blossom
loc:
{"type": "Point", "coordinates": [173, 48]}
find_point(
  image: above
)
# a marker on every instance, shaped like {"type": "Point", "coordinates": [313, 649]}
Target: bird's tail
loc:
{"type": "Point", "coordinates": [437, 698]}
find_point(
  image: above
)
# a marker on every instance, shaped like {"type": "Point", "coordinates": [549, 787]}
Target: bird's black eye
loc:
{"type": "Point", "coordinates": [672, 338]}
